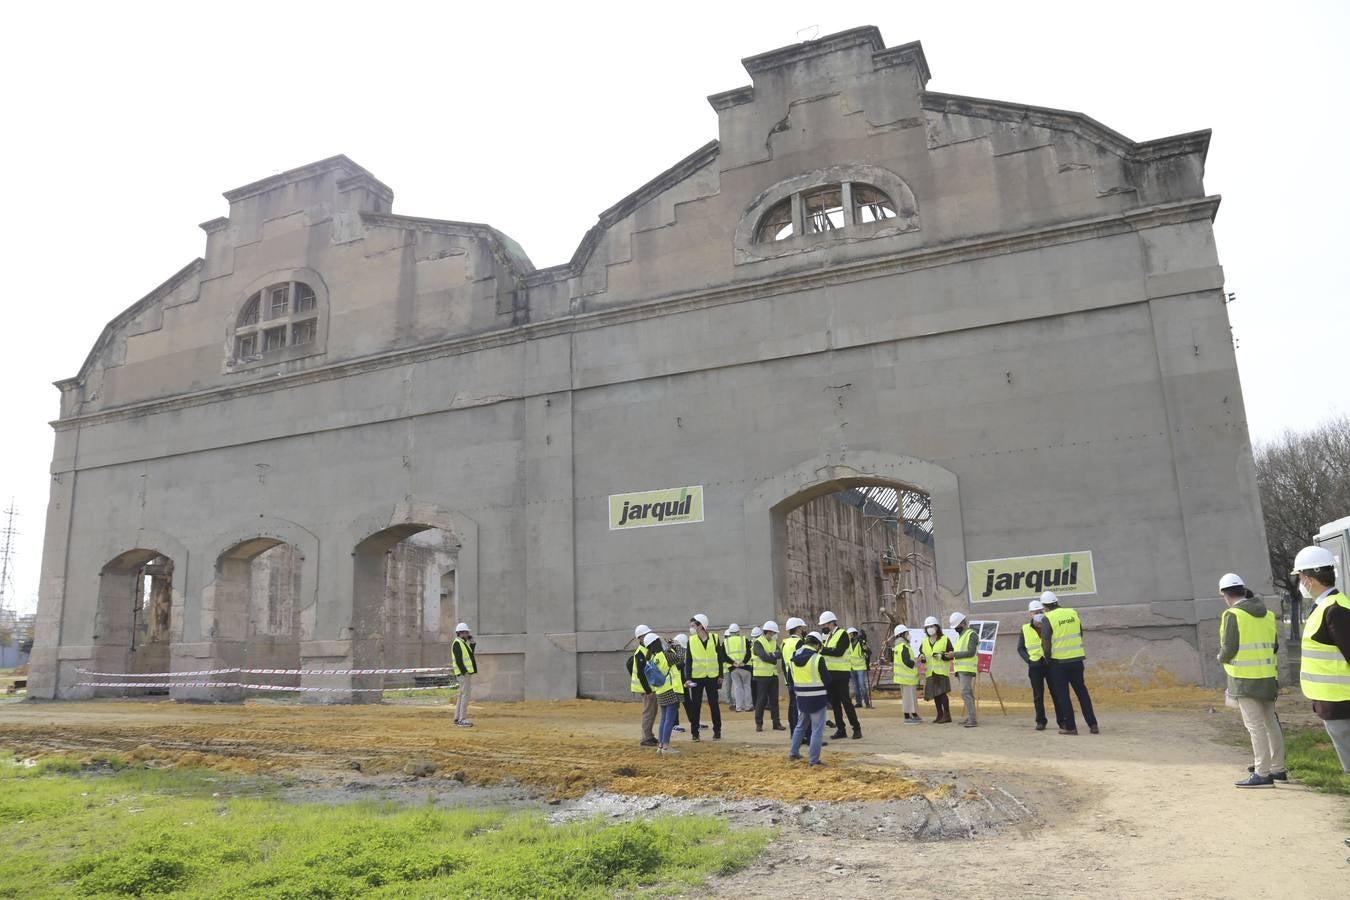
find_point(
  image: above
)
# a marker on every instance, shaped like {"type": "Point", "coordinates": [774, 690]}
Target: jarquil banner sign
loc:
{"type": "Point", "coordinates": [670, 506]}
{"type": "Point", "coordinates": [1025, 577]}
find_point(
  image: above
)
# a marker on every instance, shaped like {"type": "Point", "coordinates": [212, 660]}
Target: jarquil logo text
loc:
{"type": "Point", "coordinates": [1025, 577]}
{"type": "Point", "coordinates": [670, 506]}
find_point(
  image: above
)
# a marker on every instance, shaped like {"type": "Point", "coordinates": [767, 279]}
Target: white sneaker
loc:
{"type": "Point", "coordinates": [667, 751]}
{"type": "Point", "coordinates": [679, 728]}
{"type": "Point", "coordinates": [464, 723]}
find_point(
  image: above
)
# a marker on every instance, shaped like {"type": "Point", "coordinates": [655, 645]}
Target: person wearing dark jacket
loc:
{"type": "Point", "coordinates": [704, 664]}
{"type": "Point", "coordinates": [637, 683]}
{"type": "Point", "coordinates": [1248, 642]}
{"type": "Point", "coordinates": [809, 675]}
{"type": "Point", "coordinates": [465, 666]}
{"type": "Point", "coordinates": [1325, 671]}
{"type": "Point", "coordinates": [765, 661]}
{"type": "Point", "coordinates": [835, 650]}
{"type": "Point", "coordinates": [1031, 647]}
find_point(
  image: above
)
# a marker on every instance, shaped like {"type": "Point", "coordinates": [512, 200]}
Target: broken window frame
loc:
{"type": "Point", "coordinates": [826, 209]}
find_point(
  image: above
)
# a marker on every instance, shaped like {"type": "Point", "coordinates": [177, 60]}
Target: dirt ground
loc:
{"type": "Point", "coordinates": [1145, 806]}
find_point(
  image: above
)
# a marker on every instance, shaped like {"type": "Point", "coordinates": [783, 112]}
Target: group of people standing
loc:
{"type": "Point", "coordinates": [1051, 644]}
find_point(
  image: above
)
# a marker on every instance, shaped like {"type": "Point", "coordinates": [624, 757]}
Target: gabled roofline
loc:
{"type": "Point", "coordinates": [339, 162]}
{"type": "Point", "coordinates": [121, 319]}
{"type": "Point", "coordinates": [864, 36]}
{"type": "Point", "coordinates": [508, 248]}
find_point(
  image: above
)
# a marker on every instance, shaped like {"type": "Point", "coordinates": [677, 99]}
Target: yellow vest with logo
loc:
{"type": "Point", "coordinates": [674, 683]}
{"type": "Point", "coordinates": [758, 667]}
{"type": "Point", "coordinates": [639, 660]}
{"type": "Point", "coordinates": [735, 644]}
{"type": "Point", "coordinates": [934, 664]}
{"type": "Point", "coordinates": [1256, 644]}
{"type": "Point", "coordinates": [1325, 673]}
{"type": "Point", "coordinates": [703, 658]}
{"type": "Point", "coordinates": [901, 673]}
{"type": "Point", "coordinates": [837, 663]}
{"type": "Point", "coordinates": [1066, 638]}
{"type": "Point", "coordinates": [856, 661]}
{"type": "Point", "coordinates": [967, 640]}
{"type": "Point", "coordinates": [806, 678]}
{"type": "Point", "coordinates": [1032, 638]}
{"type": "Point", "coordinates": [470, 667]}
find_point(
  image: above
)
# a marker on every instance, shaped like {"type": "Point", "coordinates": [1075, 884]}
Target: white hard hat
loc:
{"type": "Point", "coordinates": [1035, 606]}
{"type": "Point", "coordinates": [733, 628]}
{"type": "Point", "coordinates": [650, 638]}
{"type": "Point", "coordinates": [794, 622]}
{"type": "Point", "coordinates": [817, 635]}
{"type": "Point", "coordinates": [899, 630]}
{"type": "Point", "coordinates": [1049, 597]}
{"type": "Point", "coordinates": [461, 627]}
{"type": "Point", "coordinates": [771, 625]}
{"type": "Point", "coordinates": [851, 630]}
{"type": "Point", "coordinates": [682, 639]}
{"type": "Point", "coordinates": [956, 617]}
{"type": "Point", "coordinates": [1231, 580]}
{"type": "Point", "coordinates": [700, 618]}
{"type": "Point", "coordinates": [931, 620]}
{"type": "Point", "coordinates": [641, 630]}
{"type": "Point", "coordinates": [1312, 558]}
{"type": "Point", "coordinates": [756, 631]}
{"type": "Point", "coordinates": [827, 617]}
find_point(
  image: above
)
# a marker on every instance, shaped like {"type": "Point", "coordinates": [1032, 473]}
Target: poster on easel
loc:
{"type": "Point", "coordinates": [988, 636]}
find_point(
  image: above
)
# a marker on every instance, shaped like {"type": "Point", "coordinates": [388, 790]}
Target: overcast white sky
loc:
{"type": "Point", "coordinates": [124, 123]}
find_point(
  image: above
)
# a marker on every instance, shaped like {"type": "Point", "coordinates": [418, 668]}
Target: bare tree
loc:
{"type": "Point", "coordinates": [1304, 479]}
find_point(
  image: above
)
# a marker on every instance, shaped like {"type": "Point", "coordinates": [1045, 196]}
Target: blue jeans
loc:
{"type": "Point", "coordinates": [668, 716]}
{"type": "Point", "coordinates": [861, 696]}
{"type": "Point", "coordinates": [816, 722]}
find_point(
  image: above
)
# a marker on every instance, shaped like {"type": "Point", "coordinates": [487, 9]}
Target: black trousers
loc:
{"type": "Point", "coordinates": [767, 696]}
{"type": "Point", "coordinates": [842, 703]}
{"type": "Point", "coordinates": [1039, 674]}
{"type": "Point", "coordinates": [792, 708]}
{"type": "Point", "coordinates": [702, 686]}
{"type": "Point", "coordinates": [1065, 674]}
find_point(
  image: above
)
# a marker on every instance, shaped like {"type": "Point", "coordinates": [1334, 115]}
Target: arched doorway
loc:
{"type": "Point", "coordinates": [133, 625]}
{"type": "Point", "coordinates": [255, 604]}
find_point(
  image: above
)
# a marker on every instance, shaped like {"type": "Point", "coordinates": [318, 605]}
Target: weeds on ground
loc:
{"type": "Point", "coordinates": [189, 833]}
{"type": "Point", "coordinates": [1311, 759]}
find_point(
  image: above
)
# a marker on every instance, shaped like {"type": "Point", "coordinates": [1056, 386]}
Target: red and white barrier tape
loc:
{"type": "Point", "coordinates": [247, 687]}
{"type": "Point", "coordinates": [412, 671]}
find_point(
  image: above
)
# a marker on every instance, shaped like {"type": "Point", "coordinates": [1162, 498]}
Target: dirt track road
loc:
{"type": "Point", "coordinates": [1147, 806]}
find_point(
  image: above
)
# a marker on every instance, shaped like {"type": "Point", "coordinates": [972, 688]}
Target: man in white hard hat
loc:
{"type": "Point", "coordinates": [464, 665]}
{"type": "Point", "coordinates": [765, 662]}
{"type": "Point", "coordinates": [706, 663]}
{"type": "Point", "coordinates": [966, 662]}
{"type": "Point", "coordinates": [1031, 647]}
{"type": "Point", "coordinates": [738, 673]}
{"type": "Point", "coordinates": [810, 675]}
{"type": "Point", "coordinates": [796, 630]}
{"type": "Point", "coordinates": [905, 672]}
{"type": "Point", "coordinates": [1248, 642]}
{"type": "Point", "coordinates": [1325, 673]}
{"type": "Point", "coordinates": [637, 683]}
{"type": "Point", "coordinates": [1063, 643]}
{"type": "Point", "coordinates": [835, 651]}
{"type": "Point", "coordinates": [754, 688]}
{"type": "Point", "coordinates": [859, 657]}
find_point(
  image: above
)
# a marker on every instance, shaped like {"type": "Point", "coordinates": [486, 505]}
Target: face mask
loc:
{"type": "Point", "coordinates": [1037, 618]}
{"type": "Point", "coordinates": [933, 631]}
{"type": "Point", "coordinates": [693, 629]}
{"type": "Point", "coordinates": [1303, 589]}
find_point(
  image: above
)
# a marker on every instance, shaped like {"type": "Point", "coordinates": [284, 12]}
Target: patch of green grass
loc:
{"type": "Point", "coordinates": [1311, 759]}
{"type": "Point", "coordinates": [183, 833]}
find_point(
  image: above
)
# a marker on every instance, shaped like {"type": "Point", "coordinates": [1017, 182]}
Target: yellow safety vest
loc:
{"type": "Point", "coordinates": [837, 663]}
{"type": "Point", "coordinates": [789, 646]}
{"type": "Point", "coordinates": [1256, 644]}
{"type": "Point", "coordinates": [703, 658]}
{"type": "Point", "coordinates": [758, 667]}
{"type": "Point", "coordinates": [901, 673]}
{"type": "Point", "coordinates": [673, 683]}
{"type": "Point", "coordinates": [735, 645]}
{"type": "Point", "coordinates": [639, 660]}
{"type": "Point", "coordinates": [934, 664]}
{"type": "Point", "coordinates": [1066, 637]}
{"type": "Point", "coordinates": [856, 661]}
{"type": "Point", "coordinates": [470, 667]}
{"type": "Point", "coordinates": [968, 664]}
{"type": "Point", "coordinates": [1325, 673]}
{"type": "Point", "coordinates": [1031, 636]}
{"type": "Point", "coordinates": [806, 678]}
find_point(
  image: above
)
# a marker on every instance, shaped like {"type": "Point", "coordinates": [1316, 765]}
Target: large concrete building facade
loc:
{"type": "Point", "coordinates": [1013, 311]}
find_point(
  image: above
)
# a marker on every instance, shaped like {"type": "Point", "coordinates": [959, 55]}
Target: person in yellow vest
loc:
{"type": "Point", "coordinates": [704, 666]}
{"type": "Point", "coordinates": [796, 630]}
{"type": "Point", "coordinates": [1248, 642]}
{"type": "Point", "coordinates": [1030, 646]}
{"type": "Point", "coordinates": [1063, 643]}
{"type": "Point", "coordinates": [1325, 673]}
{"type": "Point", "coordinates": [765, 662]}
{"type": "Point", "coordinates": [668, 693]}
{"type": "Point", "coordinates": [905, 672]}
{"type": "Point", "coordinates": [859, 656]}
{"type": "Point", "coordinates": [811, 677]}
{"type": "Point", "coordinates": [835, 650]}
{"type": "Point", "coordinates": [637, 683]}
{"type": "Point", "coordinates": [966, 663]}
{"type": "Point", "coordinates": [465, 666]}
{"type": "Point", "coordinates": [678, 646]}
{"type": "Point", "coordinates": [738, 672]}
{"type": "Point", "coordinates": [754, 688]}
{"type": "Point", "coordinates": [936, 653]}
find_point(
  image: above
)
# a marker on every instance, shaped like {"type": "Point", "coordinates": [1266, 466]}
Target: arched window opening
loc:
{"type": "Point", "coordinates": [871, 205]}
{"type": "Point", "coordinates": [777, 223]}
{"type": "Point", "coordinates": [279, 316]}
{"type": "Point", "coordinates": [823, 209]}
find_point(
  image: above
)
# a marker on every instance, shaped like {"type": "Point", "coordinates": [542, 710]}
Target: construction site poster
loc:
{"type": "Point", "coordinates": [1068, 574]}
{"type": "Point", "coordinates": [668, 506]}
{"type": "Point", "coordinates": [987, 632]}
